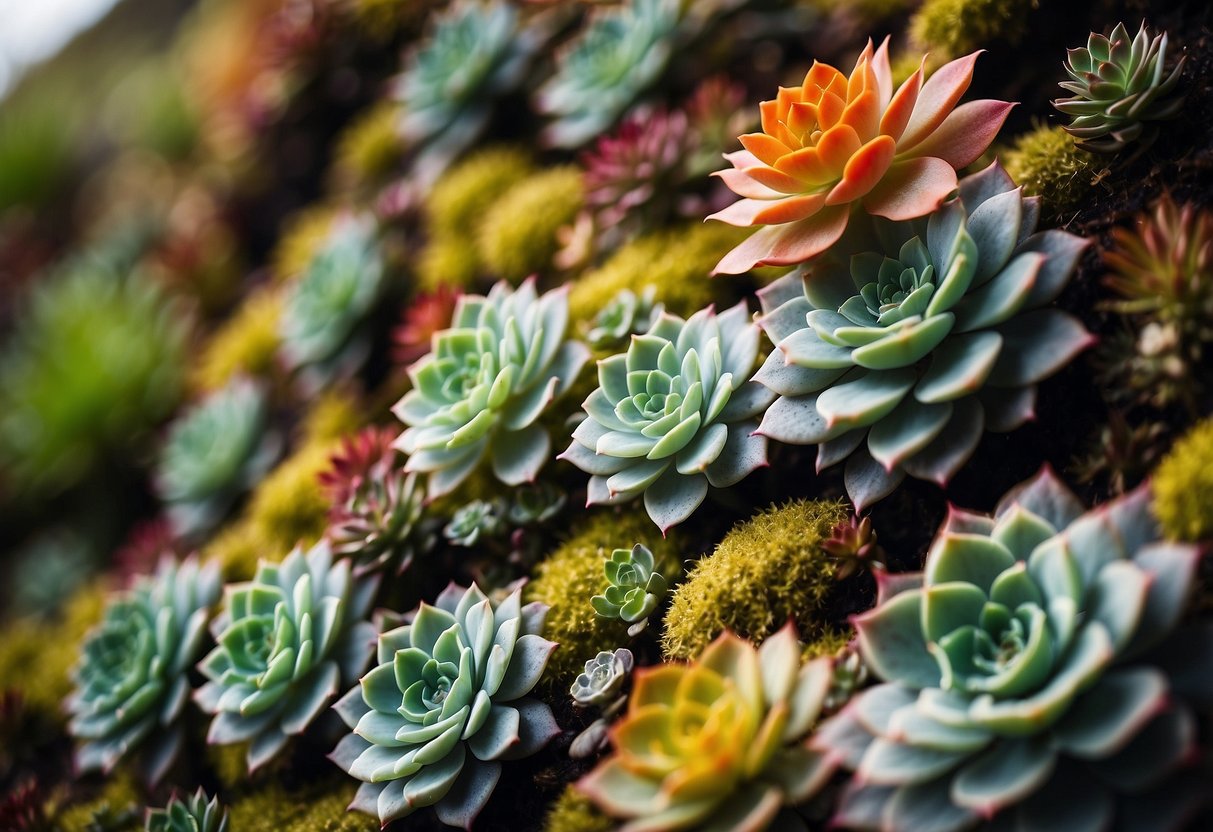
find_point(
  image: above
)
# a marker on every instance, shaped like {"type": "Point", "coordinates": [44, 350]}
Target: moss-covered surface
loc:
{"type": "Point", "coordinates": [519, 235]}
{"type": "Point", "coordinates": [245, 343]}
{"type": "Point", "coordinates": [1183, 487]}
{"type": "Point", "coordinates": [573, 812]}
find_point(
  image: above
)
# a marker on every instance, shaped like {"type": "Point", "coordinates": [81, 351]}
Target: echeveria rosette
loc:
{"type": "Point", "coordinates": [603, 680]}
{"type": "Point", "coordinates": [718, 744]}
{"type": "Point", "coordinates": [193, 814]}
{"type": "Point", "coordinates": [484, 385]}
{"type": "Point", "coordinates": [214, 452]}
{"type": "Point", "coordinates": [1120, 84]}
{"type": "Point", "coordinates": [1033, 673]}
{"type": "Point", "coordinates": [835, 143]}
{"type": "Point", "coordinates": [446, 706]}
{"type": "Point", "coordinates": [674, 414]}
{"type": "Point", "coordinates": [625, 314]}
{"type": "Point", "coordinates": [902, 345]}
{"type": "Point", "coordinates": [288, 642]}
{"type": "Point", "coordinates": [132, 680]}
{"type": "Point", "coordinates": [633, 588]}
{"type": "Point", "coordinates": [621, 53]}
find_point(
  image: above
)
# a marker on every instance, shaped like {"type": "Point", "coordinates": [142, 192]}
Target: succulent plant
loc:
{"type": "Point", "coordinates": [213, 453]}
{"type": "Point", "coordinates": [535, 503]}
{"type": "Point", "coordinates": [194, 814]}
{"type": "Point", "coordinates": [132, 678]}
{"type": "Point", "coordinates": [287, 642]}
{"type": "Point", "coordinates": [1120, 85]}
{"type": "Point", "coordinates": [484, 386]}
{"type": "Point", "coordinates": [917, 336]}
{"type": "Point", "coordinates": [603, 680]}
{"type": "Point", "coordinates": [332, 296]}
{"type": "Point", "coordinates": [446, 706]}
{"type": "Point", "coordinates": [621, 52]}
{"type": "Point", "coordinates": [853, 544]}
{"type": "Point", "coordinates": [633, 590]}
{"type": "Point", "coordinates": [1032, 673]}
{"type": "Point", "coordinates": [718, 743]}
{"type": "Point", "coordinates": [625, 315]}
{"type": "Point", "coordinates": [23, 808]}
{"type": "Point", "coordinates": [477, 519]}
{"type": "Point", "coordinates": [835, 142]}
{"type": "Point", "coordinates": [376, 519]}
{"type": "Point", "coordinates": [476, 52]}
{"type": "Point", "coordinates": [673, 414]}
{"type": "Point", "coordinates": [428, 314]}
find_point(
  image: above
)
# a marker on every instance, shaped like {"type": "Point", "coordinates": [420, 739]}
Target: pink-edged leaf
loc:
{"type": "Point", "coordinates": [966, 133]}
{"type": "Point", "coordinates": [911, 188]}
{"type": "Point", "coordinates": [742, 184]}
{"type": "Point", "coordinates": [787, 245]}
{"type": "Point", "coordinates": [900, 107]}
{"type": "Point", "coordinates": [939, 95]}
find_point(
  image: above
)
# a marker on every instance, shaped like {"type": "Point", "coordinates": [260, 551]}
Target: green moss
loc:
{"type": "Point", "coordinates": [766, 570]}
{"type": "Point", "coordinates": [380, 20]}
{"type": "Point", "coordinates": [321, 809]}
{"type": "Point", "coordinates": [869, 10]}
{"type": "Point", "coordinates": [518, 233]}
{"type": "Point", "coordinates": [245, 343]}
{"type": "Point", "coordinates": [238, 547]}
{"type": "Point", "coordinates": [459, 200]}
{"type": "Point", "coordinates": [574, 812]}
{"type": "Point", "coordinates": [289, 507]}
{"type": "Point", "coordinates": [119, 797]}
{"type": "Point", "coordinates": [568, 577]}
{"type": "Point", "coordinates": [447, 261]}
{"type": "Point", "coordinates": [336, 413]}
{"type": "Point", "coordinates": [957, 27]}
{"type": "Point", "coordinates": [1049, 165]}
{"type": "Point", "coordinates": [1183, 486]}
{"type": "Point", "coordinates": [370, 147]}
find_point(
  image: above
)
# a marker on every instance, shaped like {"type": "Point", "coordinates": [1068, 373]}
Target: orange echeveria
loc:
{"type": "Point", "coordinates": [835, 142]}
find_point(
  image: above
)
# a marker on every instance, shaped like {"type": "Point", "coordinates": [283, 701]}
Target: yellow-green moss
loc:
{"type": "Point", "coordinates": [120, 793]}
{"type": "Point", "coordinates": [1183, 487]}
{"type": "Point", "coordinates": [957, 27]}
{"type": "Point", "coordinates": [447, 261]}
{"type": "Point", "coordinates": [245, 343]}
{"type": "Point", "coordinates": [766, 570]}
{"type": "Point", "coordinates": [337, 412]}
{"type": "Point", "coordinates": [518, 234]}
{"type": "Point", "coordinates": [238, 547]}
{"type": "Point", "coordinates": [289, 506]}
{"type": "Point", "coordinates": [381, 19]}
{"type": "Point", "coordinates": [460, 198]}
{"type": "Point", "coordinates": [301, 237]}
{"type": "Point", "coordinates": [1048, 164]}
{"type": "Point", "coordinates": [568, 577]}
{"type": "Point", "coordinates": [370, 147]}
{"type": "Point", "coordinates": [574, 812]}
{"type": "Point", "coordinates": [828, 643]}
{"type": "Point", "coordinates": [275, 809]}
{"type": "Point", "coordinates": [869, 10]}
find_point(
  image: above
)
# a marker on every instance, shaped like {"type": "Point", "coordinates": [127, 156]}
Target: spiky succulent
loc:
{"type": "Point", "coordinates": [898, 348]}
{"type": "Point", "coordinates": [603, 679]}
{"type": "Point", "coordinates": [673, 414]}
{"type": "Point", "coordinates": [446, 706]}
{"type": "Point", "coordinates": [323, 308]}
{"type": "Point", "coordinates": [1032, 674]}
{"type": "Point", "coordinates": [624, 315]}
{"type": "Point", "coordinates": [853, 544]}
{"type": "Point", "coordinates": [376, 518]}
{"type": "Point", "coordinates": [476, 52]}
{"type": "Point", "coordinates": [633, 589]}
{"type": "Point", "coordinates": [1120, 85]}
{"type": "Point", "coordinates": [132, 678]}
{"type": "Point", "coordinates": [718, 743]}
{"type": "Point", "coordinates": [482, 389]}
{"type": "Point", "coordinates": [619, 55]}
{"type": "Point", "coordinates": [288, 642]}
{"type": "Point", "coordinates": [194, 814]}
{"type": "Point", "coordinates": [835, 142]}
{"type": "Point", "coordinates": [213, 453]}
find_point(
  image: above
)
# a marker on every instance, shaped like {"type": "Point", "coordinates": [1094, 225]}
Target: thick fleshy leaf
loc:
{"type": "Point", "coordinates": [966, 133]}
{"type": "Point", "coordinates": [786, 245]}
{"type": "Point", "coordinates": [889, 763]}
{"type": "Point", "coordinates": [673, 498]}
{"type": "Point", "coordinates": [1004, 775]}
{"type": "Point", "coordinates": [939, 461]}
{"type": "Point", "coordinates": [959, 367]}
{"type": "Point", "coordinates": [906, 431]}
{"type": "Point", "coordinates": [890, 638]}
{"type": "Point", "coordinates": [518, 456]}
{"type": "Point", "coordinates": [1107, 717]}
{"type": "Point", "coordinates": [467, 797]}
{"type": "Point", "coordinates": [866, 400]}
{"type": "Point", "coordinates": [867, 481]}
{"type": "Point", "coordinates": [912, 188]}
{"type": "Point", "coordinates": [1036, 345]}
{"type": "Point", "coordinates": [796, 421]}
{"type": "Point", "coordinates": [925, 807]}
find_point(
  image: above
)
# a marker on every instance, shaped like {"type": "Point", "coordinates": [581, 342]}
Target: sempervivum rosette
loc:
{"type": "Point", "coordinates": [484, 385]}
{"type": "Point", "coordinates": [674, 414]}
{"type": "Point", "coordinates": [288, 642]}
{"type": "Point", "coordinates": [1033, 674]}
{"type": "Point", "coordinates": [131, 681]}
{"type": "Point", "coordinates": [910, 339]}
{"type": "Point", "coordinates": [446, 705]}
{"type": "Point", "coordinates": [836, 142]}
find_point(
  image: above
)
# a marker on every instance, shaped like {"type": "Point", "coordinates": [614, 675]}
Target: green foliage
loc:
{"type": "Point", "coordinates": [574, 812]}
{"type": "Point", "coordinates": [95, 359]}
{"type": "Point", "coordinates": [1046, 162]}
{"type": "Point", "coordinates": [245, 343]}
{"type": "Point", "coordinates": [149, 110]}
{"type": "Point", "coordinates": [440, 711]}
{"type": "Point", "coordinates": [274, 808]}
{"type": "Point", "coordinates": [194, 814]}
{"type": "Point", "coordinates": [766, 570]}
{"type": "Point", "coordinates": [633, 588]}
{"type": "Point", "coordinates": [518, 234]}
{"type": "Point", "coordinates": [957, 27]}
{"type": "Point", "coordinates": [1183, 486]}
{"type": "Point", "coordinates": [567, 577]}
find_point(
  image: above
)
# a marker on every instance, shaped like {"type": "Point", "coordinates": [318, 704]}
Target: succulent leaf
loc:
{"type": "Point", "coordinates": [194, 814]}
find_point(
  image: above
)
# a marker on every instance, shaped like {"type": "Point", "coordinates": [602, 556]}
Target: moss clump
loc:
{"type": "Point", "coordinates": [275, 809]}
{"type": "Point", "coordinates": [957, 27]}
{"type": "Point", "coordinates": [868, 10]}
{"type": "Point", "coordinates": [518, 235]}
{"type": "Point", "coordinates": [568, 577]}
{"type": "Point", "coordinates": [381, 20]}
{"type": "Point", "coordinates": [337, 412]}
{"type": "Point", "coordinates": [238, 548]}
{"type": "Point", "coordinates": [301, 237]}
{"type": "Point", "coordinates": [574, 812]}
{"type": "Point", "coordinates": [766, 570]}
{"type": "Point", "coordinates": [1049, 165]}
{"type": "Point", "coordinates": [1183, 486]}
{"type": "Point", "coordinates": [119, 803]}
{"type": "Point", "coordinates": [447, 261]}
{"type": "Point", "coordinates": [246, 343]}
{"type": "Point", "coordinates": [459, 200]}
{"type": "Point", "coordinates": [289, 507]}
{"type": "Point", "coordinates": [370, 148]}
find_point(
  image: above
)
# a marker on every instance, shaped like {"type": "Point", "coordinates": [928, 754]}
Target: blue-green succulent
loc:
{"type": "Point", "coordinates": [193, 814]}
{"type": "Point", "coordinates": [634, 588]}
{"type": "Point", "coordinates": [625, 315]}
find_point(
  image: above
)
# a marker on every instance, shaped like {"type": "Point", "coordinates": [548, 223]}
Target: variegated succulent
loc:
{"type": "Point", "coordinates": [674, 414]}
{"type": "Point", "coordinates": [1120, 85]}
{"type": "Point", "coordinates": [288, 642]}
{"type": "Point", "coordinates": [132, 680]}
{"type": "Point", "coordinates": [1033, 674]}
{"type": "Point", "coordinates": [834, 143]}
{"type": "Point", "coordinates": [482, 389]}
{"type": "Point", "coordinates": [902, 345]}
{"type": "Point", "coordinates": [446, 706]}
{"type": "Point", "coordinates": [718, 744]}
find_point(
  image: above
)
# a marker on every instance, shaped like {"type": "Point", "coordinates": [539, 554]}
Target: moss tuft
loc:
{"type": "Point", "coordinates": [574, 812]}
{"type": "Point", "coordinates": [275, 809]}
{"type": "Point", "coordinates": [302, 235]}
{"type": "Point", "coordinates": [766, 570]}
{"type": "Point", "coordinates": [460, 198]}
{"type": "Point", "coordinates": [447, 261]}
{"type": "Point", "coordinates": [518, 235]}
{"type": "Point", "coordinates": [289, 507]}
{"type": "Point", "coordinates": [370, 148]}
{"type": "Point", "coordinates": [245, 343]}
{"type": "Point", "coordinates": [336, 413]}
{"type": "Point", "coordinates": [119, 798]}
{"type": "Point", "coordinates": [958, 27]}
{"type": "Point", "coordinates": [1049, 165]}
{"type": "Point", "coordinates": [1183, 486]}
{"type": "Point", "coordinates": [238, 547]}
{"type": "Point", "coordinates": [568, 577]}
